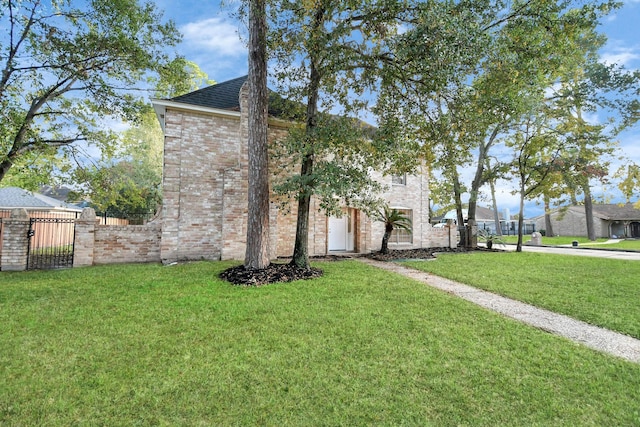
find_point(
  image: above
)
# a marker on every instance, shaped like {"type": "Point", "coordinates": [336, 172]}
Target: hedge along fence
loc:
{"type": "Point", "coordinates": [93, 243]}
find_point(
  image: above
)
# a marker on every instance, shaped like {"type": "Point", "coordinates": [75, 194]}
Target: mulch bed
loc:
{"type": "Point", "coordinates": [286, 272]}
{"type": "Point", "coordinates": [423, 253]}
{"type": "Point", "coordinates": [274, 273]}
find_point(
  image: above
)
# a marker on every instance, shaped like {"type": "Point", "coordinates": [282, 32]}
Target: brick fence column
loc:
{"type": "Point", "coordinates": [453, 234]}
{"type": "Point", "coordinates": [15, 241]}
{"type": "Point", "coordinates": [85, 239]}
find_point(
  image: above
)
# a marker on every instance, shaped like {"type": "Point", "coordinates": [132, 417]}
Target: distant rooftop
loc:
{"type": "Point", "coordinates": [614, 211]}
{"type": "Point", "coordinates": [13, 197]}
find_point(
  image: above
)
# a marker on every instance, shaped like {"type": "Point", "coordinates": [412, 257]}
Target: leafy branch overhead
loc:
{"type": "Point", "coordinates": [66, 68]}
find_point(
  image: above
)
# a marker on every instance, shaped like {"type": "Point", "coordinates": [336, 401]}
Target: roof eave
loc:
{"type": "Point", "coordinates": [160, 106]}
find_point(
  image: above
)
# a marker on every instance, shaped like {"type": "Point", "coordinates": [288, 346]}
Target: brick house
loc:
{"type": "Point", "coordinates": [204, 210]}
{"type": "Point", "coordinates": [609, 220]}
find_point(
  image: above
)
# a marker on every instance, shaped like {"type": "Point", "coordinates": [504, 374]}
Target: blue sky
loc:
{"type": "Point", "coordinates": [212, 40]}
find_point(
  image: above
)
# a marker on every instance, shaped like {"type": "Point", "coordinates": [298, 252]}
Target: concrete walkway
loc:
{"type": "Point", "coordinates": [594, 337]}
{"type": "Point", "coordinates": [577, 251]}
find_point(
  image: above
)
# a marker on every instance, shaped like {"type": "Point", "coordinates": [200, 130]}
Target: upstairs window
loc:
{"type": "Point", "coordinates": [399, 179]}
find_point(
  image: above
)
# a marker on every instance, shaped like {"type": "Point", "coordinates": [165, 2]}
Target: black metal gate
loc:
{"type": "Point", "coordinates": [50, 243]}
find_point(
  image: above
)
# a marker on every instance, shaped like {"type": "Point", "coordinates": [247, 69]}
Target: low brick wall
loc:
{"type": "Point", "coordinates": [112, 244]}
{"type": "Point", "coordinates": [129, 243]}
{"type": "Point", "coordinates": [445, 237]}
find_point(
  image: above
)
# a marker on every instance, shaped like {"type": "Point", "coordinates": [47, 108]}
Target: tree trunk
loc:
{"type": "Point", "coordinates": [520, 219]}
{"type": "Point", "coordinates": [477, 182]}
{"type": "Point", "coordinates": [574, 198]}
{"type": "Point", "coordinates": [4, 168]}
{"type": "Point", "coordinates": [257, 253]}
{"type": "Point", "coordinates": [588, 212]}
{"type": "Point", "coordinates": [301, 249]}
{"type": "Point", "coordinates": [457, 196]}
{"type": "Point", "coordinates": [496, 214]}
{"type": "Point", "coordinates": [473, 194]}
{"type": "Point", "coordinates": [385, 241]}
{"type": "Point", "coordinates": [547, 216]}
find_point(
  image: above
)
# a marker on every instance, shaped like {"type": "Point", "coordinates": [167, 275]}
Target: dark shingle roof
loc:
{"type": "Point", "coordinates": [222, 95]}
{"type": "Point", "coordinates": [226, 96]}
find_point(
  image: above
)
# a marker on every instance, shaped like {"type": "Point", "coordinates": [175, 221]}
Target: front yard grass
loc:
{"type": "Point", "coordinates": [628, 245]}
{"type": "Point", "coordinates": [603, 292]}
{"type": "Point", "coordinates": [153, 345]}
{"type": "Point", "coordinates": [553, 241]}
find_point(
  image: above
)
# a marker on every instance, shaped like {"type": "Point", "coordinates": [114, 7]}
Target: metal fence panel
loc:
{"type": "Point", "coordinates": [50, 243]}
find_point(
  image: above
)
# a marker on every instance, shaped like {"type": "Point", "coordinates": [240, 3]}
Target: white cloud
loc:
{"type": "Point", "coordinates": [214, 35]}
{"type": "Point", "coordinates": [620, 55]}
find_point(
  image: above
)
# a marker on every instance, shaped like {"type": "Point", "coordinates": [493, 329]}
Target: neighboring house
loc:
{"type": "Point", "coordinates": [609, 220]}
{"type": "Point", "coordinates": [485, 220]}
{"type": "Point", "coordinates": [12, 198]}
{"type": "Point", "coordinates": [204, 212]}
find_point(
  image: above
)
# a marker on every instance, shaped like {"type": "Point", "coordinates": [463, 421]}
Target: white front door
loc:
{"type": "Point", "coordinates": [341, 232]}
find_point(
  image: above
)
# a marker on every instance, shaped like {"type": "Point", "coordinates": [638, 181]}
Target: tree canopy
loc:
{"type": "Point", "coordinates": [68, 68]}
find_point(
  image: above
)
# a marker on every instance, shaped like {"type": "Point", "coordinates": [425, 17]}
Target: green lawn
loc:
{"type": "Point", "coordinates": [153, 345]}
{"type": "Point", "coordinates": [629, 245]}
{"type": "Point", "coordinates": [552, 241]}
{"type": "Point", "coordinates": [603, 292]}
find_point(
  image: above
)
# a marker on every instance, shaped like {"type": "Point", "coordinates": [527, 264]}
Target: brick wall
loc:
{"type": "Point", "coordinates": [204, 209]}
{"type": "Point", "coordinates": [130, 243]}
{"type": "Point", "coordinates": [112, 244]}
{"type": "Point", "coordinates": [15, 241]}
{"type": "Point", "coordinates": [205, 194]}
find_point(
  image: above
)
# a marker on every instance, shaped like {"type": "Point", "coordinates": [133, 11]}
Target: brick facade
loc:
{"type": "Point", "coordinates": [205, 193]}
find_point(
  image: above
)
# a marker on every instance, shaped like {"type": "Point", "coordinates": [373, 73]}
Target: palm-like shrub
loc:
{"type": "Point", "coordinates": [393, 219]}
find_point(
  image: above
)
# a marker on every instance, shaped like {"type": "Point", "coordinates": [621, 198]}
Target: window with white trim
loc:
{"type": "Point", "coordinates": [399, 235]}
{"type": "Point", "coordinates": [399, 179]}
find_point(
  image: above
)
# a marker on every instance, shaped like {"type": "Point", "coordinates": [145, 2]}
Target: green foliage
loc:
{"type": "Point", "coordinates": [135, 345]}
{"type": "Point", "coordinates": [497, 62]}
{"type": "Point", "coordinates": [327, 56]}
{"type": "Point", "coordinates": [67, 68]}
{"type": "Point", "coordinates": [128, 176]}
{"type": "Point", "coordinates": [629, 182]}
{"type": "Point", "coordinates": [343, 154]}
{"type": "Point", "coordinates": [36, 169]}
{"type": "Point", "coordinates": [490, 238]}
{"type": "Point", "coordinates": [178, 77]}
{"type": "Point", "coordinates": [125, 187]}
{"type": "Point", "coordinates": [392, 219]}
